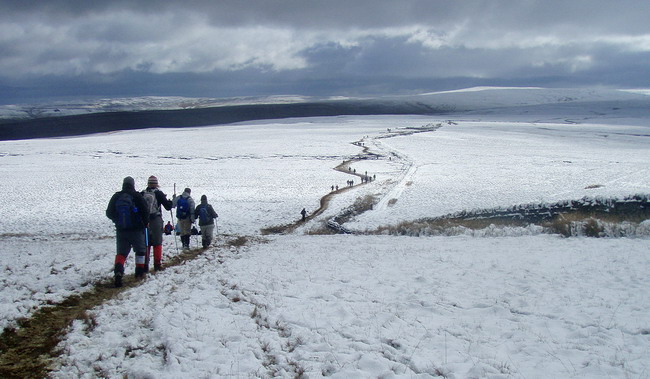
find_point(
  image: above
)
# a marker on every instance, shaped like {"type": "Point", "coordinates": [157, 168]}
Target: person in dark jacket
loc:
{"type": "Point", "coordinates": [169, 228]}
{"type": "Point", "coordinates": [206, 216]}
{"type": "Point", "coordinates": [128, 210]}
{"type": "Point", "coordinates": [155, 198]}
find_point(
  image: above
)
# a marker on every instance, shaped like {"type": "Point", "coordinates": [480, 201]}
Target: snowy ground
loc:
{"type": "Point", "coordinates": [340, 306]}
{"type": "Point", "coordinates": [348, 307]}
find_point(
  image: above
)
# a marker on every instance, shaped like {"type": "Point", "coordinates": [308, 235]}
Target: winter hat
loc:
{"type": "Point", "coordinates": [152, 182]}
{"type": "Point", "coordinates": [187, 190]}
{"type": "Point", "coordinates": [129, 180]}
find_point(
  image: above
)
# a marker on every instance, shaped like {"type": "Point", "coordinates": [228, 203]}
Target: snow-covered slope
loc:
{"type": "Point", "coordinates": [496, 303]}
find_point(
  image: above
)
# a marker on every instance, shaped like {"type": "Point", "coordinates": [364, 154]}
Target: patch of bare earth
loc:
{"type": "Point", "coordinates": [28, 350]}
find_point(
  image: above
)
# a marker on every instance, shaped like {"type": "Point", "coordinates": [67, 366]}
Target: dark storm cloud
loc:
{"type": "Point", "coordinates": [624, 16]}
{"type": "Point", "coordinates": [314, 47]}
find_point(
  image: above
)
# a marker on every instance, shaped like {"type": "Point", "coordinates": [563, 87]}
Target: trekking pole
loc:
{"type": "Point", "coordinates": [197, 237]}
{"type": "Point", "coordinates": [172, 216]}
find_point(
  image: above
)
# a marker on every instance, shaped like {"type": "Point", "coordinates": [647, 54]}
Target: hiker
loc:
{"type": "Point", "coordinates": [206, 215]}
{"type": "Point", "coordinates": [155, 198]}
{"type": "Point", "coordinates": [128, 210]}
{"type": "Point", "coordinates": [169, 228]}
{"type": "Point", "coordinates": [303, 212]}
{"type": "Point", "coordinates": [184, 205]}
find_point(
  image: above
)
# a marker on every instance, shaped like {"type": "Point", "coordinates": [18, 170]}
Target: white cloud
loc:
{"type": "Point", "coordinates": [639, 43]}
{"type": "Point", "coordinates": [163, 43]}
{"type": "Point", "coordinates": [415, 39]}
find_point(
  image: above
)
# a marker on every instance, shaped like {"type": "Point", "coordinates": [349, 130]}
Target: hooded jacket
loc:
{"type": "Point", "coordinates": [211, 213]}
{"type": "Point", "coordinates": [138, 201]}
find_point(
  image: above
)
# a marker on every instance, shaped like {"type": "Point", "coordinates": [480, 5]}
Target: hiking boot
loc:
{"type": "Point", "coordinates": [118, 280]}
{"type": "Point", "coordinates": [139, 272]}
{"type": "Point", "coordinates": [119, 274]}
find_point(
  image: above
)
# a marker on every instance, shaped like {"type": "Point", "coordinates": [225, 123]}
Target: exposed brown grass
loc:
{"type": "Point", "coordinates": [28, 351]}
{"type": "Point", "coordinates": [600, 221]}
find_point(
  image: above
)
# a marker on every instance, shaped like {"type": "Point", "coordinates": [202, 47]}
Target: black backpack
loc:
{"type": "Point", "coordinates": [127, 213]}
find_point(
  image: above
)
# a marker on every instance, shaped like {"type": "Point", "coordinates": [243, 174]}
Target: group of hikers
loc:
{"type": "Point", "coordinates": [139, 223]}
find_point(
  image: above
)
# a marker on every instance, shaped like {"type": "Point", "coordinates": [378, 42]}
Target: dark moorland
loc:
{"type": "Point", "coordinates": [111, 121]}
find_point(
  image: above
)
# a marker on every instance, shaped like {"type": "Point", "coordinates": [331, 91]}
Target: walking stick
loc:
{"type": "Point", "coordinates": [172, 216]}
{"type": "Point", "coordinates": [197, 237]}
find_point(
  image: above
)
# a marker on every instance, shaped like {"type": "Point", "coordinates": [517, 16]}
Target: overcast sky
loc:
{"type": "Point", "coordinates": [222, 48]}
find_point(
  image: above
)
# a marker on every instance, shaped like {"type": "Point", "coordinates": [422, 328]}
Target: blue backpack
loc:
{"type": "Point", "coordinates": [204, 218]}
{"type": "Point", "coordinates": [127, 213]}
{"type": "Point", "coordinates": [182, 208]}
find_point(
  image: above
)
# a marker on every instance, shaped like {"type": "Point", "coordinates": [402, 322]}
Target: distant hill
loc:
{"type": "Point", "coordinates": [79, 118]}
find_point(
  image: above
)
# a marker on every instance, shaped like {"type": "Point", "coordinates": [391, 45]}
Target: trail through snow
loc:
{"type": "Point", "coordinates": [338, 306]}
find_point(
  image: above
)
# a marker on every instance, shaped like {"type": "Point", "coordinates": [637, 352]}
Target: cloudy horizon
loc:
{"type": "Point", "coordinates": [200, 48]}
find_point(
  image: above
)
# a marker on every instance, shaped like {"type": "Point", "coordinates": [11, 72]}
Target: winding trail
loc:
{"type": "Point", "coordinates": [324, 203]}
{"type": "Point", "coordinates": [402, 181]}
{"type": "Point", "coordinates": [29, 350]}
{"type": "Point", "coordinates": [344, 167]}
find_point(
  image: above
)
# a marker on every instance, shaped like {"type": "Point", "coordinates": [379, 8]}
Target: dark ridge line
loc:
{"type": "Point", "coordinates": [77, 125]}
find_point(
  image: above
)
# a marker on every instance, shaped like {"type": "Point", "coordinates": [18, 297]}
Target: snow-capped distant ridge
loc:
{"type": "Point", "coordinates": [108, 115]}
{"type": "Point", "coordinates": [467, 99]}
{"type": "Point", "coordinates": [459, 100]}
{"type": "Point", "coordinates": [477, 98]}
{"type": "Point", "coordinates": [642, 91]}
{"type": "Point", "coordinates": [131, 104]}
{"type": "Point", "coordinates": [479, 88]}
